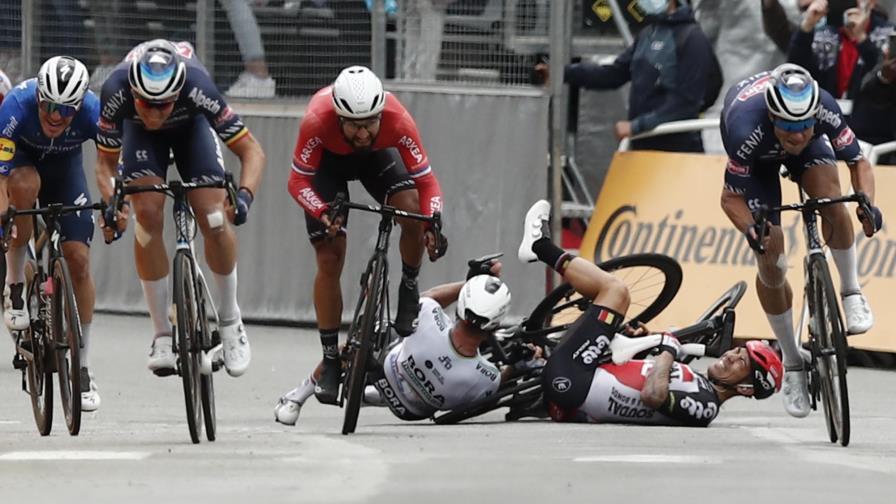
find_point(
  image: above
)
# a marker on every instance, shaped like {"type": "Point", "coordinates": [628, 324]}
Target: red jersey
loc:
{"type": "Point", "coordinates": [320, 131]}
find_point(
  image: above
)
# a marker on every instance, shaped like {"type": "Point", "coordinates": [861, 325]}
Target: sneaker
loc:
{"type": "Point", "coordinates": [15, 313]}
{"type": "Point", "coordinates": [162, 360]}
{"type": "Point", "coordinates": [90, 398]}
{"type": "Point", "coordinates": [249, 85]}
{"type": "Point", "coordinates": [537, 226]}
{"type": "Point", "coordinates": [796, 392]}
{"type": "Point", "coordinates": [859, 318]}
{"type": "Point", "coordinates": [327, 388]}
{"type": "Point", "coordinates": [288, 408]}
{"type": "Point", "coordinates": [408, 307]}
{"type": "Point", "coordinates": [237, 352]}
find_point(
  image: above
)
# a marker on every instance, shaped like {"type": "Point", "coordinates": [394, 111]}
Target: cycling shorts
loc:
{"type": "Point", "coordinates": [197, 152]}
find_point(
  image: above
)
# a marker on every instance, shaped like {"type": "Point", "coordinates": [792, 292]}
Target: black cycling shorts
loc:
{"type": "Point", "coordinates": [381, 172]}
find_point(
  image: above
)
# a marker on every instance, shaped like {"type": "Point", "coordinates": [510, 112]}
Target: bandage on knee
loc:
{"type": "Point", "coordinates": [781, 266]}
{"type": "Point", "coordinates": [215, 219]}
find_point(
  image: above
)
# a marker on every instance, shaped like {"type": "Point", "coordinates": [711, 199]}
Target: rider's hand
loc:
{"type": "Point", "coordinates": [114, 232]}
{"type": "Point", "coordinates": [333, 226]}
{"type": "Point", "coordinates": [623, 129]}
{"type": "Point", "coordinates": [492, 268]}
{"type": "Point", "coordinates": [873, 225]}
{"type": "Point", "coordinates": [434, 248]}
{"type": "Point", "coordinates": [639, 329]}
{"type": "Point", "coordinates": [670, 344]}
{"type": "Point", "coordinates": [752, 235]}
{"type": "Point", "coordinates": [244, 200]}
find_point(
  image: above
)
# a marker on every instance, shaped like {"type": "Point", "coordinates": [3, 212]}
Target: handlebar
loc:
{"type": "Point", "coordinates": [55, 209]}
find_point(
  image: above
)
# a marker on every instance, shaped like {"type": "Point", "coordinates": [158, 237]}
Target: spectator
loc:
{"type": "Point", "coordinates": [254, 81]}
{"type": "Point", "coordinates": [110, 37]}
{"type": "Point", "coordinates": [423, 27]}
{"type": "Point", "coordinates": [879, 93]}
{"type": "Point", "coordinates": [668, 65]}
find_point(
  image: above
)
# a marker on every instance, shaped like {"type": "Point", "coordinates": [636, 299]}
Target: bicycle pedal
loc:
{"type": "Point", "coordinates": [18, 362]}
{"type": "Point", "coordinates": [163, 372]}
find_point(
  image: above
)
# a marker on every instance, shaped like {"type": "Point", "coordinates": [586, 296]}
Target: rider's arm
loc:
{"type": "Point", "coordinates": [656, 388]}
{"type": "Point", "coordinates": [106, 170]}
{"type": "Point", "coordinates": [252, 160]}
{"type": "Point", "coordinates": [444, 294]}
{"type": "Point", "coordinates": [737, 210]}
{"type": "Point", "coordinates": [862, 177]}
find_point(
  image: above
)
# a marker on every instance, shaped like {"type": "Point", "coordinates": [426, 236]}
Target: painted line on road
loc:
{"type": "Point", "coordinates": [10, 422]}
{"type": "Point", "coordinates": [650, 459]}
{"type": "Point", "coordinates": [73, 455]}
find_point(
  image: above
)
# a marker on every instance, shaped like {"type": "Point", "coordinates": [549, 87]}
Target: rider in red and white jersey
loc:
{"type": "Point", "coordinates": [354, 130]}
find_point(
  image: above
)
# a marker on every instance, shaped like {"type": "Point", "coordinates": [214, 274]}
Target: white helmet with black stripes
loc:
{"type": "Point", "coordinates": [358, 93]}
{"type": "Point", "coordinates": [62, 80]}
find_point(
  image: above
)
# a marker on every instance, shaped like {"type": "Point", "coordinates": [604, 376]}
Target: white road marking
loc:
{"type": "Point", "coordinates": [73, 455]}
{"type": "Point", "coordinates": [9, 422]}
{"type": "Point", "coordinates": [650, 459]}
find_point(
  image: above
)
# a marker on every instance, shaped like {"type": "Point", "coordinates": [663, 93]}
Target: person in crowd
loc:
{"type": "Point", "coordinates": [255, 81]}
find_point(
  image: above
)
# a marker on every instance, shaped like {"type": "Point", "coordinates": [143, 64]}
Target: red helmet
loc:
{"type": "Point", "coordinates": [768, 372]}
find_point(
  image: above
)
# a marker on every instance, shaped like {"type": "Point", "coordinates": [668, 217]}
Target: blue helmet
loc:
{"type": "Point", "coordinates": [157, 74]}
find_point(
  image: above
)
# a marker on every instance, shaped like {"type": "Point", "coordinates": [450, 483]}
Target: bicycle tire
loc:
{"type": "Point", "coordinates": [39, 370]}
{"type": "Point", "coordinates": [644, 273]}
{"type": "Point", "coordinates": [187, 344]}
{"type": "Point", "coordinates": [65, 335]}
{"type": "Point", "coordinates": [361, 339]}
{"type": "Point", "coordinates": [729, 299]}
{"type": "Point", "coordinates": [206, 381]}
{"type": "Point", "coordinates": [831, 351]}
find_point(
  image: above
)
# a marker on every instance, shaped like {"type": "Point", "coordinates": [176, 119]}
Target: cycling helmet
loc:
{"type": "Point", "coordinates": [62, 80]}
{"type": "Point", "coordinates": [792, 94]}
{"type": "Point", "coordinates": [158, 74]}
{"type": "Point", "coordinates": [767, 370]}
{"type": "Point", "coordinates": [358, 93]}
{"type": "Point", "coordinates": [484, 301]}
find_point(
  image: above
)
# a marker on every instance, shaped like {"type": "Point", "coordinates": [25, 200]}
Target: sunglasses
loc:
{"type": "Point", "coordinates": [794, 126]}
{"type": "Point", "coordinates": [367, 124]}
{"type": "Point", "coordinates": [143, 102]}
{"type": "Point", "coordinates": [51, 108]}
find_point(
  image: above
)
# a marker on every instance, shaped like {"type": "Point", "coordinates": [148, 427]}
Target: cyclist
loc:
{"type": "Point", "coordinates": [355, 130]}
{"type": "Point", "coordinates": [43, 122]}
{"type": "Point", "coordinates": [782, 117]}
{"type": "Point", "coordinates": [161, 98]}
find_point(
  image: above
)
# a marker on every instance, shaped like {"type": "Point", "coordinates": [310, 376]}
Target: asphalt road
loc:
{"type": "Point", "coordinates": [136, 448]}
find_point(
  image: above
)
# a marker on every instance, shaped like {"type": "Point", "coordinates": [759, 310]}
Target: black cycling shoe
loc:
{"type": "Point", "coordinates": [327, 389]}
{"type": "Point", "coordinates": [408, 308]}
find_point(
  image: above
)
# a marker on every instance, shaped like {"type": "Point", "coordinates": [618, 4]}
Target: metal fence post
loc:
{"type": "Point", "coordinates": [205, 19]}
{"type": "Point", "coordinates": [560, 42]}
{"type": "Point", "coordinates": [28, 38]}
{"type": "Point", "coordinates": [378, 38]}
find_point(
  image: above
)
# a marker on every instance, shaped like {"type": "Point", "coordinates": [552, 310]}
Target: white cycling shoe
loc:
{"type": "Point", "coordinates": [15, 312]}
{"type": "Point", "coordinates": [90, 398]}
{"type": "Point", "coordinates": [859, 318]}
{"type": "Point", "coordinates": [162, 360]}
{"type": "Point", "coordinates": [537, 226]}
{"type": "Point", "coordinates": [237, 352]}
{"type": "Point", "coordinates": [796, 392]}
{"type": "Point", "coordinates": [288, 408]}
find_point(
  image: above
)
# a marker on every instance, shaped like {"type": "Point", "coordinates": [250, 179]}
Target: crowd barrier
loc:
{"type": "Point", "coordinates": [670, 203]}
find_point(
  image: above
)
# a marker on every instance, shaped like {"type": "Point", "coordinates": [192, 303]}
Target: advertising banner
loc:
{"type": "Point", "coordinates": [670, 204]}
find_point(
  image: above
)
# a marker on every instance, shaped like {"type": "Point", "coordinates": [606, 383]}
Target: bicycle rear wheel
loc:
{"type": "Point", "coordinates": [359, 342]}
{"type": "Point", "coordinates": [653, 281]}
{"type": "Point", "coordinates": [208, 341]}
{"type": "Point", "coordinates": [39, 369]}
{"type": "Point", "coordinates": [188, 345]}
{"type": "Point", "coordinates": [830, 346]}
{"type": "Point", "coordinates": [65, 335]}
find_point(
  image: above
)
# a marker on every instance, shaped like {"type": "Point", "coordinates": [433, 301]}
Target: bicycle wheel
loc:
{"type": "Point", "coordinates": [359, 342]}
{"type": "Point", "coordinates": [39, 369]}
{"type": "Point", "coordinates": [188, 345]}
{"type": "Point", "coordinates": [522, 391]}
{"type": "Point", "coordinates": [831, 350]}
{"type": "Point", "coordinates": [720, 341]}
{"type": "Point", "coordinates": [65, 335]}
{"type": "Point", "coordinates": [653, 281]}
{"type": "Point", "coordinates": [208, 339]}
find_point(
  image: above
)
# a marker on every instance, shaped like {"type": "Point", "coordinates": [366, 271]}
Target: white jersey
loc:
{"type": "Point", "coordinates": [428, 374]}
{"type": "Point", "coordinates": [5, 85]}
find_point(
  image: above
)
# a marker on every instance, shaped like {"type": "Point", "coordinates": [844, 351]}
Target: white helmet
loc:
{"type": "Point", "coordinates": [62, 80]}
{"type": "Point", "coordinates": [158, 74]}
{"type": "Point", "coordinates": [484, 301]}
{"type": "Point", "coordinates": [792, 94]}
{"type": "Point", "coordinates": [358, 93]}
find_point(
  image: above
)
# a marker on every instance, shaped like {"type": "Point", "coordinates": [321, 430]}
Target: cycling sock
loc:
{"type": "Point", "coordinates": [85, 345]}
{"type": "Point", "coordinates": [156, 294]}
{"type": "Point", "coordinates": [304, 391]}
{"type": "Point", "coordinates": [409, 274]}
{"type": "Point", "coordinates": [15, 264]}
{"type": "Point", "coordinates": [329, 341]}
{"type": "Point", "coordinates": [228, 310]}
{"type": "Point", "coordinates": [782, 326]}
{"type": "Point", "coordinates": [845, 260]}
{"type": "Point", "coordinates": [552, 255]}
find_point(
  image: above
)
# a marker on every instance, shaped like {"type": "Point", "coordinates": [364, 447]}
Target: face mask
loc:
{"type": "Point", "coordinates": [653, 7]}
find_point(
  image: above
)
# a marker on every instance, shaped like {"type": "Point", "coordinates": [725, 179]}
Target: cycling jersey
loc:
{"type": "Point", "coordinates": [427, 374]}
{"type": "Point", "coordinates": [199, 97]}
{"type": "Point", "coordinates": [615, 396]}
{"type": "Point", "coordinates": [321, 132]}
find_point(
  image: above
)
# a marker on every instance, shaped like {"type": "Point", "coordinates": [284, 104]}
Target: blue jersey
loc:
{"type": "Point", "coordinates": [199, 96]}
{"type": "Point", "coordinates": [748, 133]}
{"type": "Point", "coordinates": [22, 139]}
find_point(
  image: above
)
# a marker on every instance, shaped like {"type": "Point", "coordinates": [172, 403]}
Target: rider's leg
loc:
{"type": "Point", "coordinates": [776, 295]}
{"type": "Point", "coordinates": [220, 248]}
{"type": "Point", "coordinates": [150, 255]}
{"type": "Point", "coordinates": [411, 247]}
{"type": "Point", "coordinates": [330, 254]}
{"type": "Point", "coordinates": [23, 186]}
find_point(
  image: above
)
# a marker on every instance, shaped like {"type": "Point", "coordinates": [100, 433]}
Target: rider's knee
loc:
{"type": "Point", "coordinates": [773, 271]}
{"type": "Point", "coordinates": [615, 295]}
{"type": "Point", "coordinates": [150, 216]}
{"type": "Point", "coordinates": [78, 263]}
{"type": "Point", "coordinates": [23, 184]}
{"type": "Point", "coordinates": [213, 222]}
{"type": "Point", "coordinates": [329, 261]}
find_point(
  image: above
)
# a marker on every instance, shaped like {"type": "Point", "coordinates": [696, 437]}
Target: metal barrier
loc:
{"type": "Point", "coordinates": [686, 126]}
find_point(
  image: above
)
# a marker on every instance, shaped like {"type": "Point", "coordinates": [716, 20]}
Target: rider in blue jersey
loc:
{"type": "Point", "coordinates": [782, 117]}
{"type": "Point", "coordinates": [43, 122]}
{"type": "Point", "coordinates": [161, 99]}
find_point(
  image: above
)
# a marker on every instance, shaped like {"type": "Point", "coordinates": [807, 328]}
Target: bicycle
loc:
{"type": "Point", "coordinates": [197, 344]}
{"type": "Point", "coordinates": [52, 342]}
{"type": "Point", "coordinates": [711, 335]}
{"type": "Point", "coordinates": [368, 334]}
{"type": "Point", "coordinates": [827, 335]}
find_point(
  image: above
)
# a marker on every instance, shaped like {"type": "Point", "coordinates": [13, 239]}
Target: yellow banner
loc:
{"type": "Point", "coordinates": [669, 203]}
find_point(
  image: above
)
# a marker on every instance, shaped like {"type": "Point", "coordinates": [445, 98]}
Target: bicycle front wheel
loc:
{"type": "Point", "coordinates": [65, 335]}
{"type": "Point", "coordinates": [830, 347]}
{"type": "Point", "coordinates": [208, 340]}
{"type": "Point", "coordinates": [359, 342]}
{"type": "Point", "coordinates": [39, 369]}
{"type": "Point", "coordinates": [188, 344]}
